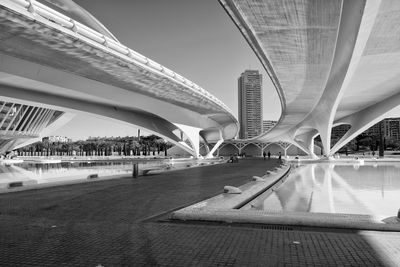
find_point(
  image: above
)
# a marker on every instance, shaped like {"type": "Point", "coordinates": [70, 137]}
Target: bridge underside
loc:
{"type": "Point", "coordinates": [50, 60]}
{"type": "Point", "coordinates": [332, 62]}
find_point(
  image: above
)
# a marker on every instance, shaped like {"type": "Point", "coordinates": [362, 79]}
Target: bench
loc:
{"type": "Point", "coordinates": [155, 168]}
{"type": "Point", "coordinates": [15, 184]}
{"type": "Point", "coordinates": [92, 176]}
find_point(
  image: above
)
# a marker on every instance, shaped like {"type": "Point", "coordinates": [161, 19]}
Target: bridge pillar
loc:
{"type": "Point", "coordinates": [193, 136]}
{"type": "Point", "coordinates": [240, 145]}
{"type": "Point", "coordinates": [285, 146]}
{"type": "Point", "coordinates": [305, 141]}
{"type": "Point", "coordinates": [205, 143]}
{"type": "Point", "coordinates": [215, 147]}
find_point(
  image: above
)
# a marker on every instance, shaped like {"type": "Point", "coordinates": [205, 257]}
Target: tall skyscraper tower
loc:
{"type": "Point", "coordinates": [250, 104]}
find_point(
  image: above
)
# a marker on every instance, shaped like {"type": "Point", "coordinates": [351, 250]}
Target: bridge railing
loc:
{"type": "Point", "coordinates": [78, 28]}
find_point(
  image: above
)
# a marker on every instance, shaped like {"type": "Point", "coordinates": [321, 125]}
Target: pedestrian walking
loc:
{"type": "Point", "coordinates": [264, 155]}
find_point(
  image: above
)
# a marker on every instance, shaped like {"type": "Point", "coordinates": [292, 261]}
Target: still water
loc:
{"type": "Point", "coordinates": [41, 173]}
{"type": "Point", "coordinates": [369, 189]}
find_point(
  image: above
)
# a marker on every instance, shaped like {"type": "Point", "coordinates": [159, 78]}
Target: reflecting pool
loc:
{"type": "Point", "coordinates": [369, 189]}
{"type": "Point", "coordinates": [40, 173]}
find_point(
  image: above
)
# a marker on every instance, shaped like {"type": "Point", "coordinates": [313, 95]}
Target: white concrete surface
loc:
{"type": "Point", "coordinates": [48, 59]}
{"type": "Point", "coordinates": [248, 191]}
{"type": "Point", "coordinates": [331, 62]}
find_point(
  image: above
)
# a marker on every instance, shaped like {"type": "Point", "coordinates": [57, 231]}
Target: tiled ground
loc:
{"type": "Point", "coordinates": [161, 244]}
{"type": "Point", "coordinates": [100, 224]}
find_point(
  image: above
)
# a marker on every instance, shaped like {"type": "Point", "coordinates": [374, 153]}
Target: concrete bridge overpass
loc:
{"type": "Point", "coordinates": [48, 59]}
{"type": "Point", "coordinates": [332, 62]}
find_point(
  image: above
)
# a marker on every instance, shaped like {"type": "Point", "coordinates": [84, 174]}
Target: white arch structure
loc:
{"type": "Point", "coordinates": [240, 144]}
{"type": "Point", "coordinates": [331, 62]}
{"type": "Point", "coordinates": [20, 122]}
{"type": "Point", "coordinates": [49, 59]}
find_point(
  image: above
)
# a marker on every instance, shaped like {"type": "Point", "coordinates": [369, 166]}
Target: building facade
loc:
{"type": "Point", "coordinates": [338, 132]}
{"type": "Point", "coordinates": [250, 104]}
{"type": "Point", "coordinates": [394, 129]}
{"type": "Point", "coordinates": [56, 139]}
{"type": "Point", "coordinates": [390, 129]}
{"type": "Point", "coordinates": [267, 125]}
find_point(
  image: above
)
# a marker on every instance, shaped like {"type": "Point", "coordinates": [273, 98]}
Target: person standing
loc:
{"type": "Point", "coordinates": [269, 154]}
{"type": "Point", "coordinates": [264, 155]}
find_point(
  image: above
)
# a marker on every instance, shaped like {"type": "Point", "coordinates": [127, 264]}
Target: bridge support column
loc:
{"type": "Point", "coordinates": [193, 136]}
{"type": "Point", "coordinates": [220, 147]}
{"type": "Point", "coordinates": [285, 146]}
{"type": "Point", "coordinates": [356, 23]}
{"type": "Point", "coordinates": [205, 144]}
{"type": "Point", "coordinates": [240, 146]}
{"type": "Point", "coordinates": [215, 147]}
{"type": "Point", "coordinates": [306, 142]}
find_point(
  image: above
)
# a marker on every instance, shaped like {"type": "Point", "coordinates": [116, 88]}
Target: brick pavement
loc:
{"type": "Point", "coordinates": [99, 224]}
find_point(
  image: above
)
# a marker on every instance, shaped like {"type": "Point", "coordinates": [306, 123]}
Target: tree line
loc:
{"type": "Point", "coordinates": [106, 146]}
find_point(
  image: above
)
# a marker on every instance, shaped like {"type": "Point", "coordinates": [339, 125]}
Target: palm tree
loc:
{"type": "Point", "coordinates": [161, 144]}
{"type": "Point", "coordinates": [133, 146]}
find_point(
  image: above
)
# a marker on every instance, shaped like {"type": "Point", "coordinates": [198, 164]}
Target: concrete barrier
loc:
{"type": "Point", "coordinates": [257, 179]}
{"type": "Point", "coordinates": [15, 184]}
{"type": "Point", "coordinates": [93, 176]}
{"type": "Point", "coordinates": [232, 190]}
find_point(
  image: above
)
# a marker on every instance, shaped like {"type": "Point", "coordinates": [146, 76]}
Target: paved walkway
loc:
{"type": "Point", "coordinates": [101, 224]}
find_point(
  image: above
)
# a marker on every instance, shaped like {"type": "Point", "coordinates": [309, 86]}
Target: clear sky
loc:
{"type": "Point", "coordinates": [195, 38]}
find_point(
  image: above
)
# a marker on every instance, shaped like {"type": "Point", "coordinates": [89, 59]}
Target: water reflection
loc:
{"type": "Point", "coordinates": [38, 173]}
{"type": "Point", "coordinates": [12, 173]}
{"type": "Point", "coordinates": [366, 188]}
{"type": "Point", "coordinates": [35, 173]}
